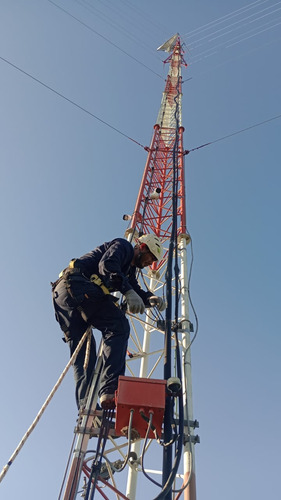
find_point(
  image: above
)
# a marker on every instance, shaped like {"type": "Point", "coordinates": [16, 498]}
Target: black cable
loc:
{"type": "Point", "coordinates": [70, 101]}
{"type": "Point", "coordinates": [76, 472]}
{"type": "Point", "coordinates": [95, 469]}
{"type": "Point", "coordinates": [116, 11]}
{"type": "Point", "coordinates": [235, 133]}
{"type": "Point", "coordinates": [59, 94]}
{"type": "Point", "coordinates": [169, 470]}
{"type": "Point", "coordinates": [189, 297]}
{"type": "Point", "coordinates": [129, 441]}
{"type": "Point", "coordinates": [143, 452]}
{"type": "Point", "coordinates": [104, 38]}
{"type": "Point", "coordinates": [179, 443]}
{"type": "Point", "coordinates": [168, 485]}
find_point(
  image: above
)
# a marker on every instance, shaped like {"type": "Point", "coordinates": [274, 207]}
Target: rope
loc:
{"type": "Point", "coordinates": [88, 349]}
{"type": "Point", "coordinates": [43, 408]}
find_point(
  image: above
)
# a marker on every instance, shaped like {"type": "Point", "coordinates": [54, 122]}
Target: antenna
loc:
{"type": "Point", "coordinates": [155, 396]}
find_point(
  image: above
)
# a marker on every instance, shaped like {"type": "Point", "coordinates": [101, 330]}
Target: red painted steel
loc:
{"type": "Point", "coordinates": [118, 493]}
{"type": "Point", "coordinates": [154, 214]}
{"type": "Point", "coordinates": [141, 395]}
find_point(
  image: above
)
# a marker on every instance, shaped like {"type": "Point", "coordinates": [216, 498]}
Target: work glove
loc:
{"type": "Point", "coordinates": [135, 302]}
{"type": "Point", "coordinates": [158, 302]}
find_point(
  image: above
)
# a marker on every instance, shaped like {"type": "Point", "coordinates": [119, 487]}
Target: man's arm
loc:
{"type": "Point", "coordinates": [142, 293]}
{"type": "Point", "coordinates": [118, 256]}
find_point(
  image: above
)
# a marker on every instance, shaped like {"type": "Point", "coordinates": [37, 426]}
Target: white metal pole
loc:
{"type": "Point", "coordinates": [83, 437]}
{"type": "Point", "coordinates": [188, 454]}
{"type": "Point", "coordinates": [132, 473]}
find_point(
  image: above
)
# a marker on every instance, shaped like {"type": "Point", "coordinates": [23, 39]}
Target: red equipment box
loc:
{"type": "Point", "coordinates": [140, 394]}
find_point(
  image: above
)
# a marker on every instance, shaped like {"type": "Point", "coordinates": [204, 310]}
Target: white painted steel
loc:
{"type": "Point", "coordinates": [188, 452]}
{"type": "Point", "coordinates": [136, 447]}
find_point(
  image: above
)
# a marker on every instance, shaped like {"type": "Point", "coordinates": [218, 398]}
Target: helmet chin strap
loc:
{"type": "Point", "coordinates": [138, 260]}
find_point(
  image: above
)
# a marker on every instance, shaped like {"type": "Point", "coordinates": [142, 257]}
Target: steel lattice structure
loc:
{"type": "Point", "coordinates": [160, 208]}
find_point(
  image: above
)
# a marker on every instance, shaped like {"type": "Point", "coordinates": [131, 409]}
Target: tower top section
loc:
{"type": "Point", "coordinates": [170, 44]}
{"type": "Point", "coordinates": [169, 115]}
{"type": "Point", "coordinates": [163, 185]}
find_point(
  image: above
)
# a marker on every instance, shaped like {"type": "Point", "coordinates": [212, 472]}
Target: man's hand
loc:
{"type": "Point", "coordinates": [135, 302]}
{"type": "Point", "coordinates": [158, 302]}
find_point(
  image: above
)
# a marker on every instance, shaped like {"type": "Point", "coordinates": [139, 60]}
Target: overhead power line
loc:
{"type": "Point", "coordinates": [213, 49]}
{"type": "Point", "coordinates": [235, 133]}
{"type": "Point", "coordinates": [261, 20]}
{"type": "Point", "coordinates": [223, 19]}
{"type": "Point", "coordinates": [70, 101]}
{"type": "Point", "coordinates": [59, 94]}
{"type": "Point", "coordinates": [105, 38]}
{"type": "Point", "coordinates": [135, 25]}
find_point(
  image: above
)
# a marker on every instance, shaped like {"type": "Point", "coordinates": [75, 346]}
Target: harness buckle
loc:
{"type": "Point", "coordinates": [94, 278]}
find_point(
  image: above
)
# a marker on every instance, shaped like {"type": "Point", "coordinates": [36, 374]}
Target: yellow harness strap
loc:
{"type": "Point", "coordinates": [94, 278]}
{"type": "Point", "coordinates": [97, 281]}
{"type": "Point", "coordinates": [70, 266]}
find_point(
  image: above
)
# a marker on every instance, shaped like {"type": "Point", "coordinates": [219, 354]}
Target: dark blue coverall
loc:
{"type": "Point", "coordinates": [80, 303]}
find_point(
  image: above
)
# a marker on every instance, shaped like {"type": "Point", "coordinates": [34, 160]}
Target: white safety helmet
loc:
{"type": "Point", "coordinates": [154, 244]}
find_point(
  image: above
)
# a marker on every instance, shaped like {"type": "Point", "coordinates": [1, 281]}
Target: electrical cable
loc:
{"type": "Point", "coordinates": [128, 455]}
{"type": "Point", "coordinates": [172, 249]}
{"type": "Point", "coordinates": [257, 17]}
{"type": "Point", "coordinates": [188, 347]}
{"type": "Point", "coordinates": [69, 100]}
{"type": "Point", "coordinates": [129, 441]}
{"type": "Point", "coordinates": [96, 465]}
{"type": "Point", "coordinates": [189, 296]}
{"type": "Point", "coordinates": [226, 44]}
{"type": "Point", "coordinates": [105, 38]}
{"type": "Point", "coordinates": [179, 443]}
{"type": "Point", "coordinates": [250, 22]}
{"type": "Point", "coordinates": [176, 152]}
{"type": "Point", "coordinates": [168, 485]}
{"type": "Point", "coordinates": [147, 17]}
{"type": "Point", "coordinates": [222, 19]}
{"type": "Point", "coordinates": [143, 451]}
{"type": "Point", "coordinates": [235, 24]}
{"type": "Point", "coordinates": [113, 23]}
{"type": "Point", "coordinates": [234, 133]}
{"type": "Point", "coordinates": [169, 477]}
{"type": "Point", "coordinates": [255, 34]}
{"type": "Point", "coordinates": [233, 58]}
{"type": "Point", "coordinates": [85, 413]}
{"type": "Point", "coordinates": [59, 94]}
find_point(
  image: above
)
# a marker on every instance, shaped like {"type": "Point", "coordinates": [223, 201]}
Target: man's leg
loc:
{"type": "Point", "coordinates": [74, 326]}
{"type": "Point", "coordinates": [113, 324]}
{"type": "Point", "coordinates": [82, 376]}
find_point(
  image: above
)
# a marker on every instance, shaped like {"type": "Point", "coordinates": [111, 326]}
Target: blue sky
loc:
{"type": "Point", "coordinates": [67, 179]}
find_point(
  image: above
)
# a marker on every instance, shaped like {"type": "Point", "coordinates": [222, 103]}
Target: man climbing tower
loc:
{"type": "Point", "coordinates": [82, 298]}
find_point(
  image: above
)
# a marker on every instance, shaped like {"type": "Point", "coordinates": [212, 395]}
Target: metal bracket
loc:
{"type": "Point", "coordinates": [161, 325]}
{"type": "Point", "coordinates": [191, 439]}
{"type": "Point", "coordinates": [191, 423]}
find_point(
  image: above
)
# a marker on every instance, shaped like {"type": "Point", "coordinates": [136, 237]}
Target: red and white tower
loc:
{"type": "Point", "coordinates": [160, 209]}
{"type": "Point", "coordinates": [158, 343]}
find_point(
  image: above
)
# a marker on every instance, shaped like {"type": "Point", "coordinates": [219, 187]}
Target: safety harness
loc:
{"type": "Point", "coordinates": [73, 269]}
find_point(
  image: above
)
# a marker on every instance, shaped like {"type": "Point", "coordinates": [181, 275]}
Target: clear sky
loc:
{"type": "Point", "coordinates": [67, 179]}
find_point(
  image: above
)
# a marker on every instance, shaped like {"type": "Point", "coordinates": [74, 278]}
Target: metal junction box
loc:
{"type": "Point", "coordinates": [140, 394]}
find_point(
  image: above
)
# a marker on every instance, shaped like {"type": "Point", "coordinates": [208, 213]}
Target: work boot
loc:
{"type": "Point", "coordinates": [107, 401]}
